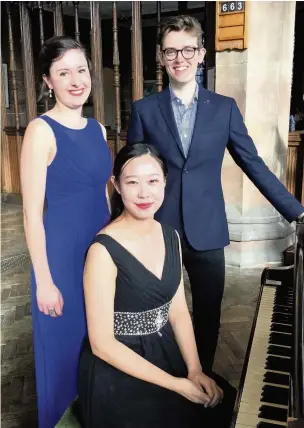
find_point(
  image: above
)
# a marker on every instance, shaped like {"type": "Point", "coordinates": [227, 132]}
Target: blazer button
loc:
{"type": "Point", "coordinates": [185, 171]}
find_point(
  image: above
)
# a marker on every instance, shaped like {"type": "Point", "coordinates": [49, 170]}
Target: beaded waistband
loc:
{"type": "Point", "coordinates": [141, 323]}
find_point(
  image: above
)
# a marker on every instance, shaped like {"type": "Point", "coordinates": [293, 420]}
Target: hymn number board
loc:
{"type": "Point", "coordinates": [231, 25]}
{"type": "Point", "coordinates": [232, 6]}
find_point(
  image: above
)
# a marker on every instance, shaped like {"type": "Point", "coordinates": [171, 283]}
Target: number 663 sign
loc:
{"type": "Point", "coordinates": [232, 6]}
{"type": "Point", "coordinates": [231, 25]}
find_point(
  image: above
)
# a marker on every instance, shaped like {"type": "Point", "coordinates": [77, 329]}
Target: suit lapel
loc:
{"type": "Point", "coordinates": [204, 114]}
{"type": "Point", "coordinates": [164, 102]}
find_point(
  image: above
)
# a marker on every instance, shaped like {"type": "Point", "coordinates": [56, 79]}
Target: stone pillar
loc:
{"type": "Point", "coordinates": [259, 79]}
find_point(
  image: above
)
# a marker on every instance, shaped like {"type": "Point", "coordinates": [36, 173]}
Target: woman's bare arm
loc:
{"type": "Point", "coordinates": [38, 149]}
{"type": "Point", "coordinates": [180, 320]}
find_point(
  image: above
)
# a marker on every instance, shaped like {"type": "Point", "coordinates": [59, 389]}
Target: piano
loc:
{"type": "Point", "coordinates": [271, 391]}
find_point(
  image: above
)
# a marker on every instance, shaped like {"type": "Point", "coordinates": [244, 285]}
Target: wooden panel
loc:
{"type": "Point", "coordinates": [230, 21]}
{"type": "Point", "coordinates": [28, 63]}
{"type": "Point", "coordinates": [231, 25]}
{"type": "Point", "coordinates": [231, 44]}
{"type": "Point", "coordinates": [295, 165]}
{"type": "Point", "coordinates": [137, 62]}
{"type": "Point", "coordinates": [291, 169]}
{"type": "Point", "coordinates": [13, 143]}
{"type": "Point", "coordinates": [10, 164]}
{"type": "Point", "coordinates": [230, 33]}
{"type": "Point", "coordinates": [96, 49]}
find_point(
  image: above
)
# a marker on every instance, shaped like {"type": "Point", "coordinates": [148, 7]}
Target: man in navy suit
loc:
{"type": "Point", "coordinates": [191, 127]}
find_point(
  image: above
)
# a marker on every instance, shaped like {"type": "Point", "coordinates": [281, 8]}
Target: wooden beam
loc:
{"type": "Point", "coordinates": [116, 79]}
{"type": "Point", "coordinates": [28, 63]}
{"type": "Point", "coordinates": [77, 33]}
{"type": "Point", "coordinates": [11, 147]}
{"type": "Point", "coordinates": [6, 173]}
{"type": "Point", "coordinates": [58, 19]}
{"type": "Point", "coordinates": [13, 151]}
{"type": "Point", "coordinates": [41, 29]}
{"type": "Point", "coordinates": [12, 65]}
{"type": "Point", "coordinates": [159, 72]}
{"type": "Point", "coordinates": [136, 49]}
{"type": "Point", "coordinates": [209, 30]}
{"type": "Point", "coordinates": [97, 68]}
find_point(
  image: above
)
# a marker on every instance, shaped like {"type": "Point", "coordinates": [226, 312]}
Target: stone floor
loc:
{"type": "Point", "coordinates": [18, 386]}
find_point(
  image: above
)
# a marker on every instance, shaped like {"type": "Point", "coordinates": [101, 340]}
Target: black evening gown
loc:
{"type": "Point", "coordinates": [110, 398]}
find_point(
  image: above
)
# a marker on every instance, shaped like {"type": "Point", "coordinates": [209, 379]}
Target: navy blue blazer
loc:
{"type": "Point", "coordinates": [194, 200]}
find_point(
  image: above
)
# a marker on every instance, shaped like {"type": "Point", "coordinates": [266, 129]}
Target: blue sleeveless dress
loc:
{"type": "Point", "coordinates": [76, 210]}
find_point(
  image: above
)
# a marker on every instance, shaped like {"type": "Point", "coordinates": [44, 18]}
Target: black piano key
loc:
{"type": "Point", "coordinates": [267, 425]}
{"type": "Point", "coordinates": [283, 309]}
{"type": "Point", "coordinates": [284, 290]}
{"type": "Point", "coordinates": [280, 292]}
{"type": "Point", "coordinates": [282, 318]}
{"type": "Point", "coordinates": [283, 300]}
{"type": "Point", "coordinates": [283, 304]}
{"type": "Point", "coordinates": [280, 339]}
{"type": "Point", "coordinates": [279, 350]}
{"type": "Point", "coordinates": [282, 296]}
{"type": "Point", "coordinates": [278, 364]}
{"type": "Point", "coordinates": [281, 328]}
{"type": "Point", "coordinates": [277, 378]}
{"type": "Point", "coordinates": [275, 395]}
{"type": "Point", "coordinates": [273, 413]}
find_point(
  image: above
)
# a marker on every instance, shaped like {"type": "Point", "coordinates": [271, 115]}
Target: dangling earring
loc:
{"type": "Point", "coordinates": [50, 93]}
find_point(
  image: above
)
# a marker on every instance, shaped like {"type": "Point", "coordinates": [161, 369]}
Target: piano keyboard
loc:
{"type": "Point", "coordinates": [264, 399]}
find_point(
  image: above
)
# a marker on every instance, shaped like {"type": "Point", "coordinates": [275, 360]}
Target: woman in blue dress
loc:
{"type": "Point", "coordinates": [66, 163]}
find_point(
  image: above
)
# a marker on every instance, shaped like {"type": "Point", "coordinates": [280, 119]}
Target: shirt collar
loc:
{"type": "Point", "coordinates": [175, 98]}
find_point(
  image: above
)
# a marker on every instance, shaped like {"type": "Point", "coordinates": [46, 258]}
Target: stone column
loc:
{"type": "Point", "coordinates": [259, 79]}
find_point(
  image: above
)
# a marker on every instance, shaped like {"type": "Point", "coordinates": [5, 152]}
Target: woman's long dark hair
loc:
{"type": "Point", "coordinates": [126, 154]}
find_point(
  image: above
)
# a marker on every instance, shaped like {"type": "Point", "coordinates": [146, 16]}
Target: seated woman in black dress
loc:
{"type": "Point", "coordinates": [139, 367]}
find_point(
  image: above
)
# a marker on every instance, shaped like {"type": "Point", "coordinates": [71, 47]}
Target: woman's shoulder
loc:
{"type": "Point", "coordinates": [38, 124]}
{"type": "Point", "coordinates": [109, 236]}
{"type": "Point", "coordinates": [99, 254]}
{"type": "Point", "coordinates": [38, 130]}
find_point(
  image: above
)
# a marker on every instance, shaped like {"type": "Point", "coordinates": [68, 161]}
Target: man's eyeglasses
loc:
{"type": "Point", "coordinates": [187, 52]}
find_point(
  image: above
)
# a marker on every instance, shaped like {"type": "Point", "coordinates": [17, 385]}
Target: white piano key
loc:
{"type": "Point", "coordinates": [250, 402]}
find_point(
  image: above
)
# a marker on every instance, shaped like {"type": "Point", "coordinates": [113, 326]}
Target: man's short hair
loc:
{"type": "Point", "coordinates": [182, 23]}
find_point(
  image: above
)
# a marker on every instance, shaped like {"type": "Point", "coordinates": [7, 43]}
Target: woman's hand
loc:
{"type": "Point", "coordinates": [191, 391]}
{"type": "Point", "coordinates": [214, 392]}
{"type": "Point", "coordinates": [49, 299]}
